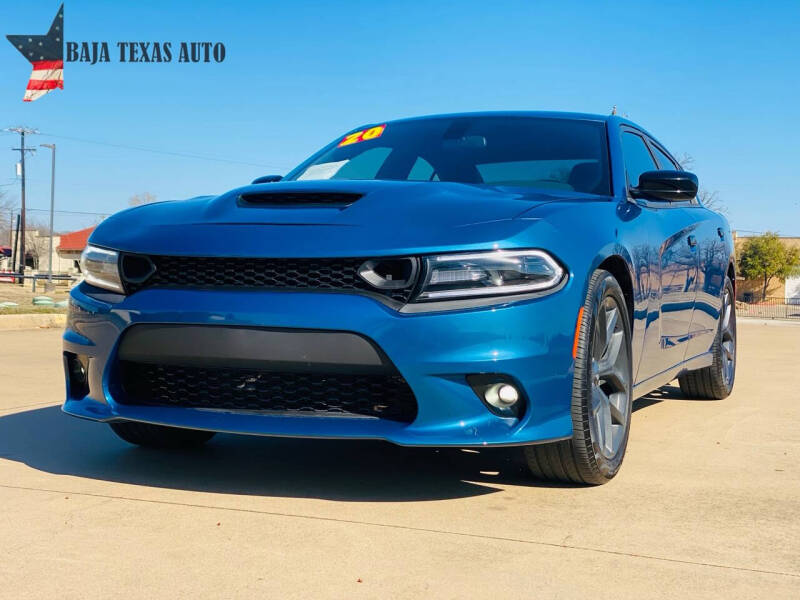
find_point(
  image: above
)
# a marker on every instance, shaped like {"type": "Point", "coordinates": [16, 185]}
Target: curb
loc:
{"type": "Point", "coordinates": [32, 321]}
{"type": "Point", "coordinates": [768, 322]}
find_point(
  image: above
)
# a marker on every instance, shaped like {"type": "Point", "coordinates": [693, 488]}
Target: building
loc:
{"type": "Point", "coordinates": [37, 247]}
{"type": "Point", "coordinates": [72, 244]}
{"type": "Point", "coordinates": [67, 250]}
{"type": "Point", "coordinates": [749, 289]}
{"type": "Point", "coordinates": [5, 258]}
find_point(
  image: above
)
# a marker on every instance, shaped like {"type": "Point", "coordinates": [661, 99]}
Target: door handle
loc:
{"type": "Point", "coordinates": [692, 241]}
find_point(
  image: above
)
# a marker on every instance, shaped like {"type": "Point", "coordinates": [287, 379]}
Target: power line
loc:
{"type": "Point", "coordinates": [64, 212]}
{"type": "Point", "coordinates": [72, 212]}
{"type": "Point", "coordinates": [167, 152]}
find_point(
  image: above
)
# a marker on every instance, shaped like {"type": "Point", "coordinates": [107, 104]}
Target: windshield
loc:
{"type": "Point", "coordinates": [549, 153]}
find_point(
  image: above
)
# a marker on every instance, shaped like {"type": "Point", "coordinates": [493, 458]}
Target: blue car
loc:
{"type": "Point", "coordinates": [471, 280]}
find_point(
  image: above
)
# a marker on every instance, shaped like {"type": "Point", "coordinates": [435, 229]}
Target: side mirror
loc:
{"type": "Point", "coordinates": [267, 179]}
{"type": "Point", "coordinates": [666, 185]}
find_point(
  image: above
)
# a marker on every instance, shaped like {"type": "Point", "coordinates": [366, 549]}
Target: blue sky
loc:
{"type": "Point", "coordinates": [717, 80]}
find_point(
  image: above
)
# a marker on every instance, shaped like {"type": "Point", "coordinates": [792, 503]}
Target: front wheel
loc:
{"type": "Point", "coordinates": [601, 393]}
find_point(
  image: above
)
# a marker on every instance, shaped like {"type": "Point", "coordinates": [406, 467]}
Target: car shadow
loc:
{"type": "Point", "coordinates": [358, 471]}
{"type": "Point", "coordinates": [344, 470]}
{"type": "Point", "coordinates": [665, 393]}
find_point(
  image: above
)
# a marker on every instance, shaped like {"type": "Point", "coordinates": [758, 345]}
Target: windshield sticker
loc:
{"type": "Point", "coordinates": [323, 170]}
{"type": "Point", "coordinates": [363, 135]}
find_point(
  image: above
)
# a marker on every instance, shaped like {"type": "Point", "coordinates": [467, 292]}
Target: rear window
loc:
{"type": "Point", "coordinates": [545, 153]}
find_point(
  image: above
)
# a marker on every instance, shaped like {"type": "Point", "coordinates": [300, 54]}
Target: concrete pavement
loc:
{"type": "Point", "coordinates": [707, 504]}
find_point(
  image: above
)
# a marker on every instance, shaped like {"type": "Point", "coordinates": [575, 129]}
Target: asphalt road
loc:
{"type": "Point", "coordinates": [707, 504]}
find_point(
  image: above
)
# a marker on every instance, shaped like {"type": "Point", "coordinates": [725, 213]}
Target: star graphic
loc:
{"type": "Point", "coordinates": [43, 47]}
{"type": "Point", "coordinates": [46, 54]}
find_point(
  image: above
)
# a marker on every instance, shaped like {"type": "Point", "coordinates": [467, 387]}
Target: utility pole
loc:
{"type": "Point", "coordinates": [52, 210]}
{"type": "Point", "coordinates": [14, 252]}
{"type": "Point", "coordinates": [22, 150]}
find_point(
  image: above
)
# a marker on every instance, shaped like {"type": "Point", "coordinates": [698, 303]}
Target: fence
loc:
{"type": "Point", "coordinates": [11, 277]}
{"type": "Point", "coordinates": [769, 308]}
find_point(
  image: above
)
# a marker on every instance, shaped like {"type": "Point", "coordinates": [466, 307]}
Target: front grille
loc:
{"type": "Point", "coordinates": [386, 396]}
{"type": "Point", "coordinates": [279, 273]}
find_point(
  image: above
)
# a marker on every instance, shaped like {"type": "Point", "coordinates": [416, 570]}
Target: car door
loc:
{"type": "Point", "coordinates": [712, 254]}
{"type": "Point", "coordinates": [673, 240]}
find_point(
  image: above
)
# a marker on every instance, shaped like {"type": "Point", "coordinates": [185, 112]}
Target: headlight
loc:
{"type": "Point", "coordinates": [481, 274]}
{"type": "Point", "coordinates": [100, 267]}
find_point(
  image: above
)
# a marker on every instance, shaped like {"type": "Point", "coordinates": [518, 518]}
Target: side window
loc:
{"type": "Point", "coordinates": [665, 162]}
{"type": "Point", "coordinates": [637, 157]}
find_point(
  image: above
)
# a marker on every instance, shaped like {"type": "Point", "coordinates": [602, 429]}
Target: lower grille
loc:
{"type": "Point", "coordinates": [386, 396]}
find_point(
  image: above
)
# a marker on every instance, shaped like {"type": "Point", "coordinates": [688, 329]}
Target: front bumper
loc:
{"type": "Point", "coordinates": [529, 341]}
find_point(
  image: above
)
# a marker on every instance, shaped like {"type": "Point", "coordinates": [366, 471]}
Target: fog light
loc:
{"type": "Point", "coordinates": [501, 395]}
{"type": "Point", "coordinates": [77, 371]}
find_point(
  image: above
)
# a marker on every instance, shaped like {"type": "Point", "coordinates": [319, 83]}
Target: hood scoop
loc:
{"type": "Point", "coordinates": [306, 199]}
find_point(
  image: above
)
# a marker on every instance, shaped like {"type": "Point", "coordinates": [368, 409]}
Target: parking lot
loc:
{"type": "Point", "coordinates": [707, 504]}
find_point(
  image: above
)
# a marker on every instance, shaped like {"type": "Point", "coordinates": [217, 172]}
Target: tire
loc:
{"type": "Point", "coordinates": [159, 436]}
{"type": "Point", "coordinates": [601, 394]}
{"type": "Point", "coordinates": [716, 382]}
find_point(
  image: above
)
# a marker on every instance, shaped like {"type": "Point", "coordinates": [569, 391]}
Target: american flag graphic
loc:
{"type": "Point", "coordinates": [46, 54]}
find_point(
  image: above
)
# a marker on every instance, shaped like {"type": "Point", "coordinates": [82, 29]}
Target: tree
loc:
{"type": "Point", "coordinates": [709, 199]}
{"type": "Point", "coordinates": [37, 242]}
{"type": "Point", "coordinates": [143, 198]}
{"type": "Point", "coordinates": [7, 214]}
{"type": "Point", "coordinates": [766, 257]}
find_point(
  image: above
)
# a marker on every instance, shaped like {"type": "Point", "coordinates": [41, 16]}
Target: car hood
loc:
{"type": "Point", "coordinates": [385, 218]}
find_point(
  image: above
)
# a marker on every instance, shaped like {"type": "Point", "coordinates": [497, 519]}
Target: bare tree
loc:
{"type": "Point", "coordinates": [709, 198]}
{"type": "Point", "coordinates": [7, 213]}
{"type": "Point", "coordinates": [37, 242]}
{"type": "Point", "coordinates": [711, 201]}
{"type": "Point", "coordinates": [37, 233]}
{"type": "Point", "coordinates": [142, 198]}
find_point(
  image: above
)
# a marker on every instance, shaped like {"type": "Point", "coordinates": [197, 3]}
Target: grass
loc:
{"type": "Point", "coordinates": [31, 310]}
{"type": "Point", "coordinates": [23, 295]}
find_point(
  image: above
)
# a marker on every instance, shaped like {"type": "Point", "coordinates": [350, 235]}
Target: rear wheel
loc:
{"type": "Point", "coordinates": [159, 436]}
{"type": "Point", "coordinates": [601, 393]}
{"type": "Point", "coordinates": [716, 382]}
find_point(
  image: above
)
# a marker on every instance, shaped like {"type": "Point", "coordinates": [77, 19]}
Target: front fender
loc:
{"type": "Point", "coordinates": [590, 234]}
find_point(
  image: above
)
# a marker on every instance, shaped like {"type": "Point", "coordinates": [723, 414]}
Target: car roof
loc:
{"type": "Point", "coordinates": [510, 113]}
{"type": "Point", "coordinates": [614, 120]}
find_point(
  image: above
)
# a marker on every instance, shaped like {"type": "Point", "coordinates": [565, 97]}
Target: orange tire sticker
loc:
{"type": "Point", "coordinates": [577, 334]}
